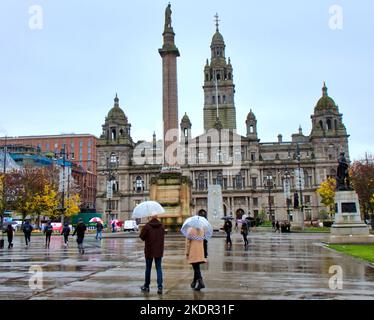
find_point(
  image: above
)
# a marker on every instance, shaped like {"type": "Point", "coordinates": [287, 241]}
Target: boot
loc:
{"type": "Point", "coordinates": [200, 285]}
{"type": "Point", "coordinates": [193, 284]}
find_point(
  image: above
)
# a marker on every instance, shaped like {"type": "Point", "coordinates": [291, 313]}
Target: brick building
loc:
{"type": "Point", "coordinates": [80, 150]}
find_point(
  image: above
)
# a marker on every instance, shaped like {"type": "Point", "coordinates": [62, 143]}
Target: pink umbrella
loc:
{"type": "Point", "coordinates": [115, 221]}
{"type": "Point", "coordinates": [96, 219]}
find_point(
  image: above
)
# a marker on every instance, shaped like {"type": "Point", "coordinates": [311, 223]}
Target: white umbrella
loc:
{"type": "Point", "coordinates": [147, 209]}
{"type": "Point", "coordinates": [197, 222]}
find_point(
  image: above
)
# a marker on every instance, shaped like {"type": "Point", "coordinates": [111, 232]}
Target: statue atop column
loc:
{"type": "Point", "coordinates": [168, 16]}
{"type": "Point", "coordinates": [342, 175]}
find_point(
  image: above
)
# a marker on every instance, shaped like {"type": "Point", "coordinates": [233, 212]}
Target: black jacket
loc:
{"type": "Point", "coordinates": [66, 231]}
{"type": "Point", "coordinates": [227, 226]}
{"type": "Point", "coordinates": [80, 230]}
{"type": "Point", "coordinates": [9, 231]}
{"type": "Point", "coordinates": [27, 227]}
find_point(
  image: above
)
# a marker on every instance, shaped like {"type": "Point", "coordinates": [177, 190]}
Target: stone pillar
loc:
{"type": "Point", "coordinates": [169, 54]}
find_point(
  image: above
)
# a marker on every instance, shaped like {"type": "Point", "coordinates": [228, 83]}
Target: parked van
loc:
{"type": "Point", "coordinates": [130, 225]}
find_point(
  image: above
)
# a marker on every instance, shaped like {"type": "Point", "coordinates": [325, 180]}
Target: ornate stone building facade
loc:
{"type": "Point", "coordinates": [252, 173]}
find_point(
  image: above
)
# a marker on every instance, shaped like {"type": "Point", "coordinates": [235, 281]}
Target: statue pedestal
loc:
{"type": "Point", "coordinates": [348, 226]}
{"type": "Point", "coordinates": [298, 219]}
{"type": "Point", "coordinates": [173, 192]}
{"type": "Point", "coordinates": [215, 207]}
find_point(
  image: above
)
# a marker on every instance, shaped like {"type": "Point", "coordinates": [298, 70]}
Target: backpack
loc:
{"type": "Point", "coordinates": [27, 227]}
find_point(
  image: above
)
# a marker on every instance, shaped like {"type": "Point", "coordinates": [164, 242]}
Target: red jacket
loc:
{"type": "Point", "coordinates": [153, 233]}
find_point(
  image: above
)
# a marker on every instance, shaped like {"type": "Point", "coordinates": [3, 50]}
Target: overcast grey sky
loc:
{"type": "Point", "coordinates": [62, 78]}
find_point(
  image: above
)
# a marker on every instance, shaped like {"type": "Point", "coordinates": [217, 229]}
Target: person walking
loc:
{"type": "Point", "coordinates": [227, 227]}
{"type": "Point", "coordinates": [113, 226]}
{"type": "Point", "coordinates": [195, 255]}
{"type": "Point", "coordinates": [80, 230]}
{"type": "Point", "coordinates": [277, 226]}
{"type": "Point", "coordinates": [66, 232]}
{"type": "Point", "coordinates": [153, 234]}
{"type": "Point", "coordinates": [244, 232]}
{"type": "Point", "coordinates": [99, 230]}
{"type": "Point", "coordinates": [48, 229]}
{"type": "Point", "coordinates": [27, 229]}
{"type": "Point", "coordinates": [9, 232]}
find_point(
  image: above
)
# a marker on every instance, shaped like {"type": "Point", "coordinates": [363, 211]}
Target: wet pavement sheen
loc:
{"type": "Point", "coordinates": [275, 266]}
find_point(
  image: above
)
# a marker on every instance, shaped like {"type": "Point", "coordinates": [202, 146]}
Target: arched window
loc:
{"type": "Point", "coordinates": [321, 124]}
{"type": "Point", "coordinates": [224, 99]}
{"type": "Point", "coordinates": [213, 99]}
{"type": "Point", "coordinates": [306, 179]}
{"type": "Point", "coordinates": [114, 135]}
{"type": "Point", "coordinates": [251, 129]}
{"type": "Point", "coordinates": [335, 124]}
{"type": "Point", "coordinates": [219, 99]}
{"type": "Point", "coordinates": [121, 133]}
{"type": "Point", "coordinates": [219, 180]}
{"type": "Point", "coordinates": [218, 76]}
{"type": "Point", "coordinates": [229, 75]}
{"type": "Point", "coordinates": [329, 124]}
{"type": "Point", "coordinates": [207, 77]}
{"type": "Point", "coordinates": [115, 186]}
{"type": "Point", "coordinates": [185, 132]}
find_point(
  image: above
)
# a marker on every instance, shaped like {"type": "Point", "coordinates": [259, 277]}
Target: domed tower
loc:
{"type": "Point", "coordinates": [219, 88]}
{"type": "Point", "coordinates": [116, 129]}
{"type": "Point", "coordinates": [251, 123]}
{"type": "Point", "coordinates": [185, 128]}
{"type": "Point", "coordinates": [329, 134]}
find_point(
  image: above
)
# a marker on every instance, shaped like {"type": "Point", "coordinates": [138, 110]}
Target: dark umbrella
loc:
{"type": "Point", "coordinates": [227, 218]}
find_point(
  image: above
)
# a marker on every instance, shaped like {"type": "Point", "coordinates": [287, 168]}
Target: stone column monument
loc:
{"type": "Point", "coordinates": [348, 226]}
{"type": "Point", "coordinates": [170, 188]}
{"type": "Point", "coordinates": [169, 53]}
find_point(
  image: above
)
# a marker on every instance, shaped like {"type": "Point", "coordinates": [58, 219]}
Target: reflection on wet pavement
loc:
{"type": "Point", "coordinates": [274, 266]}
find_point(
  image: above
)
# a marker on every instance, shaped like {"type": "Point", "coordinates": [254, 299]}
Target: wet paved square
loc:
{"type": "Point", "coordinates": [275, 266]}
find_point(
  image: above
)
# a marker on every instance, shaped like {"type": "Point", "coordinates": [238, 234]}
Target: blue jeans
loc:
{"type": "Point", "coordinates": [99, 234]}
{"type": "Point", "coordinates": [148, 268]}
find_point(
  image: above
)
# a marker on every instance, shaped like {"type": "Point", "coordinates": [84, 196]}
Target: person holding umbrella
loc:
{"type": "Point", "coordinates": [244, 231]}
{"type": "Point", "coordinates": [80, 230]}
{"type": "Point", "coordinates": [99, 230]}
{"type": "Point", "coordinates": [66, 231]}
{"type": "Point", "coordinates": [48, 230]}
{"type": "Point", "coordinates": [9, 232]}
{"type": "Point", "coordinates": [27, 229]}
{"type": "Point", "coordinates": [196, 229]}
{"type": "Point", "coordinates": [227, 227]}
{"type": "Point", "coordinates": [153, 235]}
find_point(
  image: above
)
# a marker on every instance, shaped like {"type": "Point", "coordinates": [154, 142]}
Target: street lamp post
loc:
{"type": "Point", "coordinates": [111, 166]}
{"type": "Point", "coordinates": [64, 154]}
{"type": "Point", "coordinates": [3, 195]}
{"type": "Point", "coordinates": [298, 156]}
{"type": "Point", "coordinates": [287, 191]}
{"type": "Point", "coordinates": [269, 184]}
